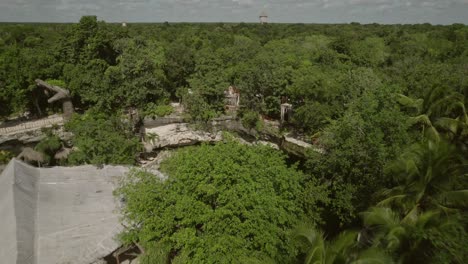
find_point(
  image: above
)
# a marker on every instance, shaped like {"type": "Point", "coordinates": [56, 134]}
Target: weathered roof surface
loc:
{"type": "Point", "coordinates": [58, 215]}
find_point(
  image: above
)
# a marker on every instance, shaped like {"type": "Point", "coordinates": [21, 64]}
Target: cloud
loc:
{"type": "Point", "coordinates": [329, 11]}
{"type": "Point", "coordinates": [245, 3]}
{"type": "Point", "coordinates": [187, 2]}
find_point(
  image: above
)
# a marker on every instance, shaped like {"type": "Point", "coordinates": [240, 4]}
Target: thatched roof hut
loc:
{"type": "Point", "coordinates": [63, 153]}
{"type": "Point", "coordinates": [29, 154]}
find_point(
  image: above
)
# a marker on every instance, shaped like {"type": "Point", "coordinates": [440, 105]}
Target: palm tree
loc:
{"type": "Point", "coordinates": [429, 175]}
{"type": "Point", "coordinates": [343, 249]}
{"type": "Point", "coordinates": [442, 111]}
{"type": "Point", "coordinates": [400, 235]}
{"type": "Point", "coordinates": [391, 231]}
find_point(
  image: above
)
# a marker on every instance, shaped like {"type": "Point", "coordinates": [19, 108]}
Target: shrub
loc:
{"type": "Point", "coordinates": [250, 119]}
{"type": "Point", "coordinates": [153, 110]}
{"type": "Point", "coordinates": [102, 139]}
{"type": "Point", "coordinates": [5, 156]}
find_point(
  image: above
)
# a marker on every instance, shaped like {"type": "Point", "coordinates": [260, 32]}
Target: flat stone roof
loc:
{"type": "Point", "coordinates": [61, 215]}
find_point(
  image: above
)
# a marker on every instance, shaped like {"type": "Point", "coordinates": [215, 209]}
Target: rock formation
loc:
{"type": "Point", "coordinates": [176, 135]}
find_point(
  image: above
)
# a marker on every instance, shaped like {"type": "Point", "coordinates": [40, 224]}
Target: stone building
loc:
{"type": "Point", "coordinates": [286, 110]}
{"type": "Point", "coordinates": [232, 99]}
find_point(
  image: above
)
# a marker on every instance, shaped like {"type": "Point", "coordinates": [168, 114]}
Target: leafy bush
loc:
{"type": "Point", "coordinates": [153, 110]}
{"type": "Point", "coordinates": [250, 119]}
{"type": "Point", "coordinates": [198, 108]}
{"type": "Point", "coordinates": [49, 146]}
{"type": "Point", "coordinates": [5, 156]}
{"type": "Point", "coordinates": [227, 203]}
{"type": "Point", "coordinates": [101, 139]}
{"type": "Point", "coordinates": [59, 83]}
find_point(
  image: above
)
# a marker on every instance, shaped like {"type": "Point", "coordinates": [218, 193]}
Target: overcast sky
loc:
{"type": "Point", "coordinates": [279, 11]}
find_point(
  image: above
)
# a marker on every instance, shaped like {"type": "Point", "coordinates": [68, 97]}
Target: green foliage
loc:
{"type": "Point", "coordinates": [429, 175]}
{"type": "Point", "coordinates": [49, 146]}
{"type": "Point", "coordinates": [153, 110]}
{"type": "Point", "coordinates": [368, 52]}
{"type": "Point", "coordinates": [417, 237]}
{"type": "Point", "coordinates": [179, 64]}
{"type": "Point", "coordinates": [222, 203]}
{"type": "Point", "coordinates": [102, 139]}
{"type": "Point", "coordinates": [365, 92]}
{"type": "Point", "coordinates": [59, 83]}
{"type": "Point", "coordinates": [250, 119]}
{"type": "Point", "coordinates": [358, 145]}
{"type": "Point", "coordinates": [138, 77]}
{"type": "Point", "coordinates": [318, 95]}
{"type": "Point", "coordinates": [342, 249]}
{"type": "Point", "coordinates": [5, 156]}
{"type": "Point", "coordinates": [131, 70]}
{"type": "Point", "coordinates": [24, 58]}
{"type": "Point", "coordinates": [199, 108]}
{"type": "Point", "coordinates": [441, 113]}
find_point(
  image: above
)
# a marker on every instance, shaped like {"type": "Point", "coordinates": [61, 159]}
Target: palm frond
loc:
{"type": "Point", "coordinates": [427, 218]}
{"type": "Point", "coordinates": [450, 124]}
{"type": "Point", "coordinates": [420, 119]}
{"type": "Point", "coordinates": [409, 102]}
{"type": "Point", "coordinates": [307, 233]}
{"type": "Point", "coordinates": [411, 217]}
{"type": "Point", "coordinates": [382, 216]}
{"type": "Point", "coordinates": [431, 133]}
{"type": "Point", "coordinates": [373, 256]}
{"type": "Point", "coordinates": [393, 200]}
{"type": "Point", "coordinates": [315, 242]}
{"type": "Point", "coordinates": [316, 255]}
{"type": "Point", "coordinates": [340, 246]}
{"type": "Point", "coordinates": [394, 237]}
{"type": "Point", "coordinates": [457, 199]}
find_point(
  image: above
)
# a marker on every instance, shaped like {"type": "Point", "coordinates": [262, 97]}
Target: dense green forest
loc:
{"type": "Point", "coordinates": [387, 103]}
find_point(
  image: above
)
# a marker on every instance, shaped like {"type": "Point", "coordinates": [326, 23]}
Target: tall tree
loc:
{"type": "Point", "coordinates": [415, 237]}
{"type": "Point", "coordinates": [223, 203]}
{"type": "Point", "coordinates": [429, 176]}
{"type": "Point", "coordinates": [342, 249]}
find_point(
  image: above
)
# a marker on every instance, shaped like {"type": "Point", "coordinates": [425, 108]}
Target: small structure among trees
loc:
{"type": "Point", "coordinates": [286, 110]}
{"type": "Point", "coordinates": [232, 99]}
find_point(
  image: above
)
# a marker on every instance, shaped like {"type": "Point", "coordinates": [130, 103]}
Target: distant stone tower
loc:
{"type": "Point", "coordinates": [124, 24]}
{"type": "Point", "coordinates": [263, 17]}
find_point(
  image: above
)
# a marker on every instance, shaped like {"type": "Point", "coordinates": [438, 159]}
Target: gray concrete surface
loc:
{"type": "Point", "coordinates": [61, 215]}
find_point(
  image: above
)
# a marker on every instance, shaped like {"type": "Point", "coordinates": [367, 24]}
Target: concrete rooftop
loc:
{"type": "Point", "coordinates": [61, 215]}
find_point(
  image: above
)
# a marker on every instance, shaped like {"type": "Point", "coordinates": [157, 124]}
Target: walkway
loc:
{"type": "Point", "coordinates": [32, 125]}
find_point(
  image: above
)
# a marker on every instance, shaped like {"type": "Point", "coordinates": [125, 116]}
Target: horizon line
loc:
{"type": "Point", "coordinates": [233, 22]}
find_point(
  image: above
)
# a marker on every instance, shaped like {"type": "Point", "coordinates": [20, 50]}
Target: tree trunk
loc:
{"type": "Point", "coordinates": [67, 107]}
{"type": "Point", "coordinates": [36, 104]}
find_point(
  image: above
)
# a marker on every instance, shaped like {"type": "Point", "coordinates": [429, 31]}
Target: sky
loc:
{"type": "Point", "coordinates": [279, 11]}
